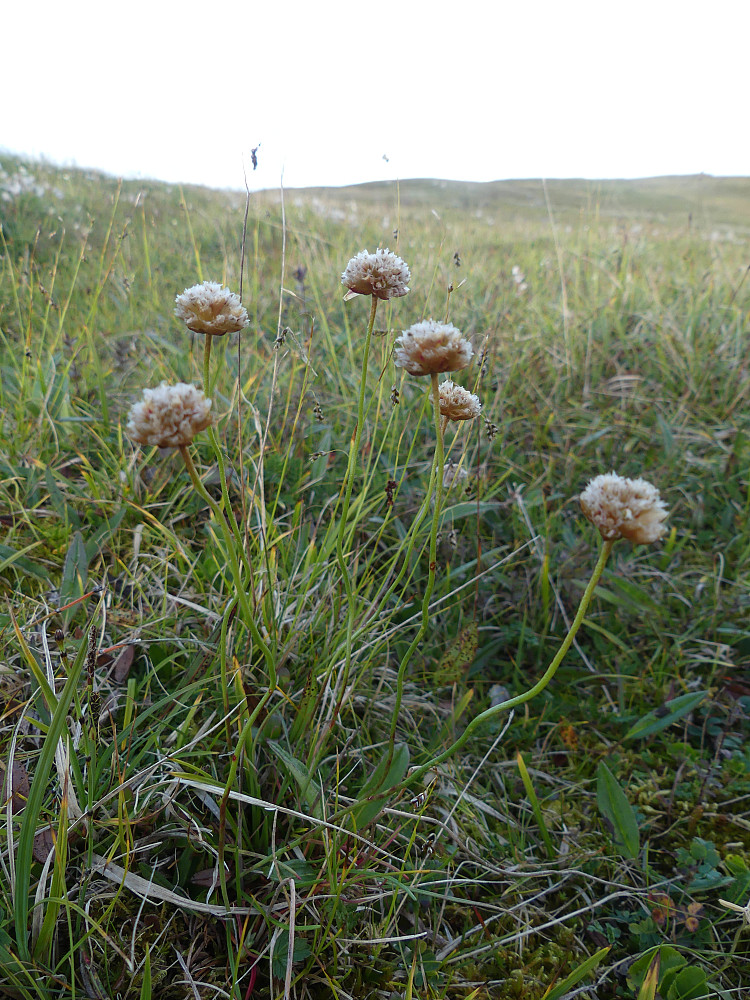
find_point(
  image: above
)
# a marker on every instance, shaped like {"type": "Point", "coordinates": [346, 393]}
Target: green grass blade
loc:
{"type": "Point", "coordinates": [534, 801]}
{"type": "Point", "coordinates": [25, 852]}
{"type": "Point", "coordinates": [560, 989]}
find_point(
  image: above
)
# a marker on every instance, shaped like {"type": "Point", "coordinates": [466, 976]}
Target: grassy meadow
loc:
{"type": "Point", "coordinates": [214, 741]}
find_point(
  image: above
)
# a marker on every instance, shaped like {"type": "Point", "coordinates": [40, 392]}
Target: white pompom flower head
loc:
{"type": "Point", "coordinates": [381, 274]}
{"type": "Point", "coordinates": [169, 416]}
{"type": "Point", "coordinates": [211, 309]}
{"type": "Point", "coordinates": [625, 508]}
{"type": "Point", "coordinates": [429, 348]}
{"type": "Point", "coordinates": [457, 403]}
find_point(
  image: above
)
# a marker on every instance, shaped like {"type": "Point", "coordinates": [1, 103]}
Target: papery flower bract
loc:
{"type": "Point", "coordinates": [381, 274]}
{"type": "Point", "coordinates": [457, 403]}
{"type": "Point", "coordinates": [211, 309]}
{"type": "Point", "coordinates": [519, 278]}
{"type": "Point", "coordinates": [624, 508]}
{"type": "Point", "coordinates": [453, 475]}
{"type": "Point", "coordinates": [169, 416]}
{"type": "Point", "coordinates": [428, 348]}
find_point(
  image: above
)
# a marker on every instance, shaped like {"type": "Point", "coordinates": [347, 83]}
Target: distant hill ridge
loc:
{"type": "Point", "coordinates": [721, 201]}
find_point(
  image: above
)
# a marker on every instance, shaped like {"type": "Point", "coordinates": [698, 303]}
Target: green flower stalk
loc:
{"type": "Point", "coordinates": [619, 508]}
{"type": "Point", "coordinates": [214, 311]}
{"type": "Point", "coordinates": [381, 275]}
{"type": "Point", "coordinates": [169, 417]}
{"type": "Point", "coordinates": [429, 348]}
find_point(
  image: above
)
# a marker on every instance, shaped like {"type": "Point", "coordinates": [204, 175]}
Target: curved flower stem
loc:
{"type": "Point", "coordinates": [247, 612]}
{"type": "Point", "coordinates": [437, 493]}
{"type": "Point", "coordinates": [540, 685]}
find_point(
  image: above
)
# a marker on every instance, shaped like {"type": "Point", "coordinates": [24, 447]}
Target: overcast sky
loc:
{"type": "Point", "coordinates": [468, 90]}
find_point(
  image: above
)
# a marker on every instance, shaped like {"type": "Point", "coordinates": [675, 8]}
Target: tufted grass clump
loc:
{"type": "Point", "coordinates": [335, 687]}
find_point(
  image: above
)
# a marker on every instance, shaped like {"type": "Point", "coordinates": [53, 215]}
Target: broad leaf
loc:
{"type": "Point", "coordinates": [614, 806]}
{"type": "Point", "coordinates": [372, 797]}
{"type": "Point", "coordinates": [671, 712]}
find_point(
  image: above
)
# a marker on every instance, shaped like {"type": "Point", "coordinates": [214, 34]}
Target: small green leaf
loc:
{"type": "Point", "coordinates": [467, 508]}
{"type": "Point", "coordinates": [75, 574]}
{"type": "Point", "coordinates": [669, 958]}
{"type": "Point", "coordinates": [58, 501]}
{"type": "Point", "coordinates": [281, 953]}
{"type": "Point", "coordinates": [371, 798]}
{"type": "Point", "coordinates": [672, 710]}
{"type": "Point", "coordinates": [736, 865]}
{"type": "Point", "coordinates": [630, 593]}
{"type": "Point", "coordinates": [614, 806]}
{"type": "Point", "coordinates": [538, 815]}
{"type": "Point", "coordinates": [303, 872]}
{"type": "Point", "coordinates": [704, 850]}
{"type": "Point", "coordinates": [687, 984]}
{"type": "Point", "coordinates": [301, 775]}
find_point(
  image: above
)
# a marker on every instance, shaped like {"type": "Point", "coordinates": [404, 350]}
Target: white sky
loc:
{"type": "Point", "coordinates": [468, 90]}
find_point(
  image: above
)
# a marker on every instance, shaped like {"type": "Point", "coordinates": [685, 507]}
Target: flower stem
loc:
{"type": "Point", "coordinates": [436, 484]}
{"type": "Point", "coordinates": [541, 683]}
{"type": "Point", "coordinates": [348, 486]}
{"type": "Point", "coordinates": [207, 364]}
{"type": "Point", "coordinates": [352, 463]}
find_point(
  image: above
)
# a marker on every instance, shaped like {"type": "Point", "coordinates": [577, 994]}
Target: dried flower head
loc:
{"type": "Point", "coordinates": [457, 403]}
{"type": "Point", "coordinates": [428, 348]}
{"type": "Point", "coordinates": [169, 416]}
{"type": "Point", "coordinates": [211, 309]}
{"type": "Point", "coordinates": [381, 274]}
{"type": "Point", "coordinates": [624, 508]}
